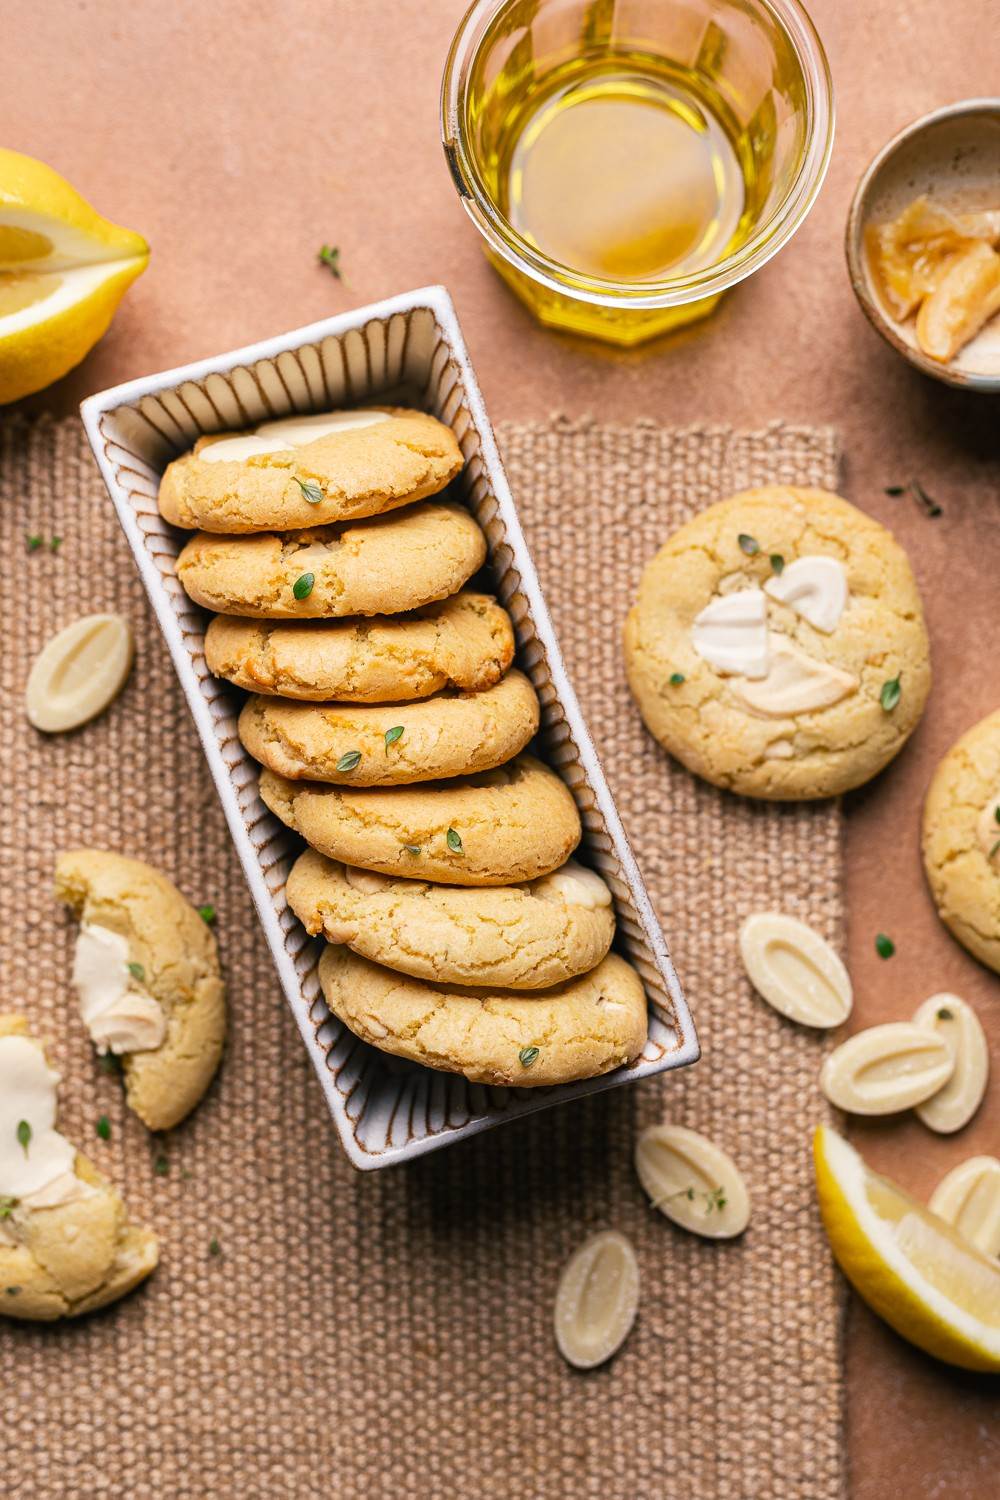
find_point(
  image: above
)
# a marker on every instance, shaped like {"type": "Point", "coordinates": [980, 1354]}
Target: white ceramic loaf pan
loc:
{"type": "Point", "coordinates": [407, 349]}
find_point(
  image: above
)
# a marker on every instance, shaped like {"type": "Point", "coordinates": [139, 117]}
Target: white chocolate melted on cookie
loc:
{"type": "Point", "coordinates": [577, 886]}
{"type": "Point", "coordinates": [988, 828]}
{"type": "Point", "coordinates": [815, 587]}
{"type": "Point", "coordinates": [796, 683]}
{"type": "Point", "coordinates": [36, 1162]}
{"type": "Point", "coordinates": [288, 433]}
{"type": "Point", "coordinates": [119, 1016]}
{"type": "Point", "coordinates": [731, 633]}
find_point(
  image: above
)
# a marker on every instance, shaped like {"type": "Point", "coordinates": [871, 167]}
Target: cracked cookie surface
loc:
{"type": "Point", "coordinates": [465, 642]}
{"type": "Point", "coordinates": [360, 472]}
{"type": "Point", "coordinates": [521, 937]}
{"type": "Point", "coordinates": [509, 825]}
{"type": "Point", "coordinates": [174, 951]}
{"type": "Point", "coordinates": [451, 734]}
{"type": "Point", "coordinates": [961, 840]}
{"type": "Point", "coordinates": [74, 1249]}
{"type": "Point", "coordinates": [383, 566]}
{"type": "Point", "coordinates": [579, 1029]}
{"type": "Point", "coordinates": [880, 636]}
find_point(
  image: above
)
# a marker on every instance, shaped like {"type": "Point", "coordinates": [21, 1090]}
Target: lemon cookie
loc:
{"type": "Point", "coordinates": [961, 840]}
{"type": "Point", "coordinates": [463, 642]}
{"type": "Point", "coordinates": [146, 970]}
{"type": "Point", "coordinates": [66, 1243]}
{"type": "Point", "coordinates": [498, 828]}
{"type": "Point", "coordinates": [520, 937]}
{"type": "Point", "coordinates": [451, 734]}
{"type": "Point", "coordinates": [777, 647]}
{"type": "Point", "coordinates": [306, 471]}
{"type": "Point", "coordinates": [579, 1029]}
{"type": "Point", "coordinates": [382, 566]}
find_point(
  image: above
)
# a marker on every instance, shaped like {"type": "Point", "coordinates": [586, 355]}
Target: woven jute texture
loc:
{"type": "Point", "coordinates": [389, 1335]}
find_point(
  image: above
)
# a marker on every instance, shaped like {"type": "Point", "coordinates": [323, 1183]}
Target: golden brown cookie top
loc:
{"type": "Point", "coordinates": [450, 734]}
{"type": "Point", "coordinates": [294, 473]}
{"type": "Point", "coordinates": [382, 566]}
{"type": "Point", "coordinates": [497, 828]}
{"type": "Point", "coordinates": [522, 937]}
{"type": "Point", "coordinates": [464, 642]}
{"type": "Point", "coordinates": [777, 646]}
{"type": "Point", "coordinates": [580, 1029]}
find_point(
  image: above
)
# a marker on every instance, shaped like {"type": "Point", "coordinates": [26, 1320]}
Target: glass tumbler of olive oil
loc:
{"type": "Point", "coordinates": [627, 161]}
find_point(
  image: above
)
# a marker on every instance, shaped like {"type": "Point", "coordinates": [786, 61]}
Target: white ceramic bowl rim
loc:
{"type": "Point", "coordinates": [856, 218]}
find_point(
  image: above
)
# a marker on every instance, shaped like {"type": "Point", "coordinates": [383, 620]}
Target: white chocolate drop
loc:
{"type": "Point", "coordinates": [795, 684]}
{"type": "Point", "coordinates": [692, 1181]}
{"type": "Point", "coordinates": [120, 1016]}
{"type": "Point", "coordinates": [297, 431]}
{"type": "Point", "coordinates": [969, 1200]}
{"type": "Point", "coordinates": [954, 1105]}
{"type": "Point", "coordinates": [886, 1069]}
{"type": "Point", "coordinates": [576, 885]}
{"type": "Point", "coordinates": [287, 433]}
{"type": "Point", "coordinates": [596, 1300]}
{"type": "Point", "coordinates": [237, 449]}
{"type": "Point", "coordinates": [79, 672]}
{"type": "Point", "coordinates": [28, 1094]}
{"type": "Point", "coordinates": [988, 828]}
{"type": "Point", "coordinates": [730, 633]}
{"type": "Point", "coordinates": [815, 587]}
{"type": "Point", "coordinates": [795, 970]}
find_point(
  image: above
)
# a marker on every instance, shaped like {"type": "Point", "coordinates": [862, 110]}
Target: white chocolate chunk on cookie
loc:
{"type": "Point", "coordinates": [731, 633]}
{"type": "Point", "coordinates": [119, 1014]}
{"type": "Point", "coordinates": [815, 587]}
{"type": "Point", "coordinates": [577, 886]}
{"type": "Point", "coordinates": [795, 683]}
{"type": "Point", "coordinates": [148, 980]}
{"type": "Point", "coordinates": [66, 1244]}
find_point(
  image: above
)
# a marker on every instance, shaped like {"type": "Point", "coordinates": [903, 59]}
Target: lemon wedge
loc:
{"type": "Point", "coordinates": [911, 1267]}
{"type": "Point", "coordinates": [63, 271]}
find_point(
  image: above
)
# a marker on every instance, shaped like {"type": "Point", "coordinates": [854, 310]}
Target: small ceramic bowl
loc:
{"type": "Point", "coordinates": [952, 157]}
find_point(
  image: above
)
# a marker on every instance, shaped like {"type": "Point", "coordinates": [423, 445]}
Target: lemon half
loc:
{"type": "Point", "coordinates": [911, 1267]}
{"type": "Point", "coordinates": [63, 271]}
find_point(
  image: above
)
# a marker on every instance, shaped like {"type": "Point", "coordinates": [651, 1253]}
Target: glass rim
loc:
{"type": "Point", "coordinates": [710, 281]}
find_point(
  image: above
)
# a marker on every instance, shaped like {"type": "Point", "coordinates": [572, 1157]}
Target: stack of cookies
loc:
{"type": "Point", "coordinates": [392, 729]}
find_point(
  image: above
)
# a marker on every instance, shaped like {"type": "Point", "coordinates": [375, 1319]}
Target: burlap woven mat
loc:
{"type": "Point", "coordinates": [388, 1335]}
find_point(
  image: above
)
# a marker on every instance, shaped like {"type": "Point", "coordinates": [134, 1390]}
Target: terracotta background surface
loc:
{"type": "Point", "coordinates": [239, 137]}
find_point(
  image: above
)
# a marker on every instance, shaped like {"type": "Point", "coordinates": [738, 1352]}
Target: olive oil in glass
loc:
{"type": "Point", "coordinates": [627, 160]}
{"type": "Point", "coordinates": [624, 171]}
